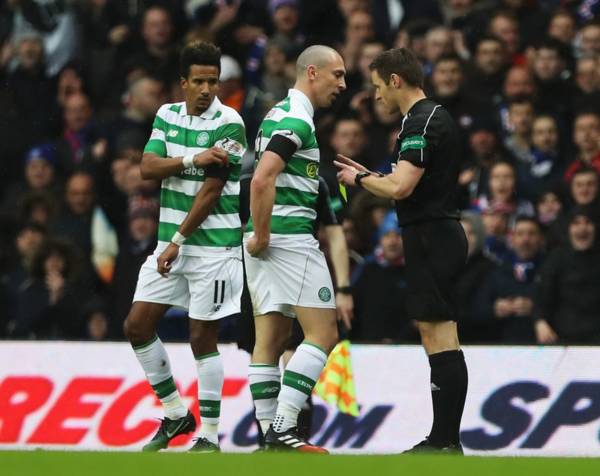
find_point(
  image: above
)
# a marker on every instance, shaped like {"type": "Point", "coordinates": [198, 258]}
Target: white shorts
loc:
{"type": "Point", "coordinates": [209, 288]}
{"type": "Point", "coordinates": [289, 273]}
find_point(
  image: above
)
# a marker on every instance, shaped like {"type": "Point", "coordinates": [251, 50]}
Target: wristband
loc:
{"type": "Point", "coordinates": [359, 177]}
{"type": "Point", "coordinates": [188, 161]}
{"type": "Point", "coordinates": [178, 239]}
{"type": "Point", "coordinates": [344, 290]}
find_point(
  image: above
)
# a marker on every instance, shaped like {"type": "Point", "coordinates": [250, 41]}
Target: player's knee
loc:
{"type": "Point", "coordinates": [134, 331]}
{"type": "Point", "coordinates": [203, 339]}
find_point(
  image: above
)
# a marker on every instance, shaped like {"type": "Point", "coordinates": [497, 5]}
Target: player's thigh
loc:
{"type": "Point", "coordinates": [215, 287]}
{"type": "Point", "coordinates": [140, 324]}
{"type": "Point", "coordinates": [171, 290]}
{"type": "Point", "coordinates": [438, 336]}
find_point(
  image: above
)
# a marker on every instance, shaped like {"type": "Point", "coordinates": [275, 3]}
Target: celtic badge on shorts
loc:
{"type": "Point", "coordinates": [324, 294]}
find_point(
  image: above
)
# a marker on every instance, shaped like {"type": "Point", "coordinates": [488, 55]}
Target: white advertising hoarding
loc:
{"type": "Point", "coordinates": [521, 400]}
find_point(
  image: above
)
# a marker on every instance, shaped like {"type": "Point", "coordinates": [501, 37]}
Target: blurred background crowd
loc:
{"type": "Point", "coordinates": [81, 80]}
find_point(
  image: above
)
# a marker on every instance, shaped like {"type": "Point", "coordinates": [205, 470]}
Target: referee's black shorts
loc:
{"type": "Point", "coordinates": [435, 252]}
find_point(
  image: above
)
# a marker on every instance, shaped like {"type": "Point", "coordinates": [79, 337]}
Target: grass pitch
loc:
{"type": "Point", "coordinates": [57, 463]}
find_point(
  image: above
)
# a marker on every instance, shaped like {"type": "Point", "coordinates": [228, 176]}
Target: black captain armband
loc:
{"type": "Point", "coordinates": [282, 146]}
{"type": "Point", "coordinates": [217, 171]}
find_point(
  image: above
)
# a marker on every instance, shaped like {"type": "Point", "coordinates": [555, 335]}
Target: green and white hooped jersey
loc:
{"type": "Point", "coordinates": [175, 133]}
{"type": "Point", "coordinates": [297, 186]}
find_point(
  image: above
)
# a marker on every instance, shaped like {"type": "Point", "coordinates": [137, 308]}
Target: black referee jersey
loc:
{"type": "Point", "coordinates": [430, 139]}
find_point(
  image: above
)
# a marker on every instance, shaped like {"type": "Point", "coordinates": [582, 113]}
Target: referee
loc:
{"type": "Point", "coordinates": [424, 185]}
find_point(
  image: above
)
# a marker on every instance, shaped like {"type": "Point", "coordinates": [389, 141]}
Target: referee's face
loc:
{"type": "Point", "coordinates": [383, 93]}
{"type": "Point", "coordinates": [200, 88]}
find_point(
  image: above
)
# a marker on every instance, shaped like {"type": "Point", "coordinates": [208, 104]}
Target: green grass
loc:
{"type": "Point", "coordinates": [57, 463]}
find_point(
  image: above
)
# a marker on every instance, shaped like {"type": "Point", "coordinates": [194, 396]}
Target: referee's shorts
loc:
{"type": "Point", "coordinates": [435, 253]}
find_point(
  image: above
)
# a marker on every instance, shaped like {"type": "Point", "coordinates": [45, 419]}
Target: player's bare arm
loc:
{"type": "Point", "coordinates": [155, 167]}
{"type": "Point", "coordinates": [397, 185]}
{"type": "Point", "coordinates": [262, 197]}
{"type": "Point", "coordinates": [204, 202]}
{"type": "Point", "coordinates": [338, 251]}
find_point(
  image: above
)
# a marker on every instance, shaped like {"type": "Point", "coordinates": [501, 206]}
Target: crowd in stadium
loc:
{"type": "Point", "coordinates": [82, 80]}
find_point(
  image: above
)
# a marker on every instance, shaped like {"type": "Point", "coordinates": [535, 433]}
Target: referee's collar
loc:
{"type": "Point", "coordinates": [303, 98]}
{"type": "Point", "coordinates": [415, 105]}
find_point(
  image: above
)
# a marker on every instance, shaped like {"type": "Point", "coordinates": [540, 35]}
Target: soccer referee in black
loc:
{"type": "Point", "coordinates": [424, 185]}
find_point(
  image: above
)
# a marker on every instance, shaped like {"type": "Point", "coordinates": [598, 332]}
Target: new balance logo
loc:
{"type": "Point", "coordinates": [172, 133]}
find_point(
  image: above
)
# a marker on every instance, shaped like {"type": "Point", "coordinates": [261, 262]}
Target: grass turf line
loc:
{"type": "Point", "coordinates": [59, 463]}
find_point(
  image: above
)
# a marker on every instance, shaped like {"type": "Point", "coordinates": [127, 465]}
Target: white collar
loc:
{"type": "Point", "coordinates": [303, 98]}
{"type": "Point", "coordinates": [214, 107]}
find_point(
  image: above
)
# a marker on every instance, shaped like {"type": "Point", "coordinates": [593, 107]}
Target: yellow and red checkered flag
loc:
{"type": "Point", "coordinates": [336, 383]}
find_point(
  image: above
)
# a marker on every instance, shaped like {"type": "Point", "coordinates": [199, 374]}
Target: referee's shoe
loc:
{"type": "Point", "coordinates": [290, 440]}
{"type": "Point", "coordinates": [427, 447]}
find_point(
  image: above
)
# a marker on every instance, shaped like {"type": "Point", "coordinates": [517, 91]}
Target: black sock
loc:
{"type": "Point", "coordinates": [449, 381]}
{"type": "Point", "coordinates": [305, 419]}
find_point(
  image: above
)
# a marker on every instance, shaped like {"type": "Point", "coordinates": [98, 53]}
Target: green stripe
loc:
{"type": "Point", "coordinates": [221, 237]}
{"type": "Point", "coordinates": [182, 202]}
{"type": "Point", "coordinates": [302, 129]}
{"type": "Point", "coordinates": [189, 137]}
{"type": "Point", "coordinates": [300, 382]}
{"type": "Point", "coordinates": [302, 167]}
{"type": "Point", "coordinates": [295, 197]}
{"type": "Point", "coordinates": [210, 408]}
{"type": "Point", "coordinates": [165, 388]}
{"type": "Point", "coordinates": [265, 390]}
{"type": "Point", "coordinates": [147, 344]}
{"type": "Point", "coordinates": [156, 146]}
{"type": "Point", "coordinates": [286, 225]}
{"type": "Point", "coordinates": [206, 356]}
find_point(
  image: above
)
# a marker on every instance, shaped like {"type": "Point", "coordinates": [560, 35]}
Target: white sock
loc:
{"type": "Point", "coordinates": [155, 362]}
{"type": "Point", "coordinates": [210, 388]}
{"type": "Point", "coordinates": [265, 383]}
{"type": "Point", "coordinates": [299, 378]}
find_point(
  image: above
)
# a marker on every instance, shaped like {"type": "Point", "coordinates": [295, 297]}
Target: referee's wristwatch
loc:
{"type": "Point", "coordinates": [358, 178]}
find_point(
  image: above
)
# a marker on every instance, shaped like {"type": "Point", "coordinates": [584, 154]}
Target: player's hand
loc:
{"type": "Point", "coordinates": [166, 258]}
{"type": "Point", "coordinates": [346, 174]}
{"type": "Point", "coordinates": [214, 155]}
{"type": "Point", "coordinates": [345, 309]}
{"type": "Point", "coordinates": [342, 159]}
{"type": "Point", "coordinates": [544, 333]}
{"type": "Point", "coordinates": [256, 246]}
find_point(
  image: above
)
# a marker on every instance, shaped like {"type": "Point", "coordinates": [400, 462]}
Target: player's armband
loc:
{"type": "Point", "coordinates": [282, 146]}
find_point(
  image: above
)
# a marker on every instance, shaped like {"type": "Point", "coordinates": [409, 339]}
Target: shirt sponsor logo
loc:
{"type": "Point", "coordinates": [413, 142]}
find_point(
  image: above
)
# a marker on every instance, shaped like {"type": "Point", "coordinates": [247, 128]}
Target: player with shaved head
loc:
{"type": "Point", "coordinates": [287, 273]}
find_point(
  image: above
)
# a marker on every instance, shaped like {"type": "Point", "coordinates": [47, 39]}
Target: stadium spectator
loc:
{"type": "Point", "coordinates": [86, 225]}
{"type": "Point", "coordinates": [489, 66]}
{"type": "Point", "coordinates": [134, 248]}
{"type": "Point", "coordinates": [589, 39]}
{"type": "Point", "coordinates": [584, 188]}
{"type": "Point", "coordinates": [285, 16]}
{"type": "Point", "coordinates": [587, 82]}
{"type": "Point", "coordinates": [40, 177]}
{"type": "Point", "coordinates": [542, 170]}
{"type": "Point", "coordinates": [359, 30]}
{"type": "Point", "coordinates": [496, 226]}
{"type": "Point", "coordinates": [563, 27]}
{"type": "Point", "coordinates": [438, 42]}
{"type": "Point", "coordinates": [520, 120]}
{"type": "Point", "coordinates": [471, 326]}
{"type": "Point", "coordinates": [567, 298]}
{"type": "Point", "coordinates": [502, 193]}
{"type": "Point", "coordinates": [586, 136]}
{"type": "Point", "coordinates": [158, 56]}
{"type": "Point", "coordinates": [549, 213]}
{"type": "Point", "coordinates": [231, 90]}
{"type": "Point", "coordinates": [377, 317]}
{"type": "Point", "coordinates": [51, 304]}
{"type": "Point", "coordinates": [505, 25]}
{"type": "Point", "coordinates": [506, 298]}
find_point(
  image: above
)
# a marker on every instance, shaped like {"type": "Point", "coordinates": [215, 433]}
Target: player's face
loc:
{"type": "Point", "coordinates": [200, 88]}
{"type": "Point", "coordinates": [329, 81]}
{"type": "Point", "coordinates": [384, 93]}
